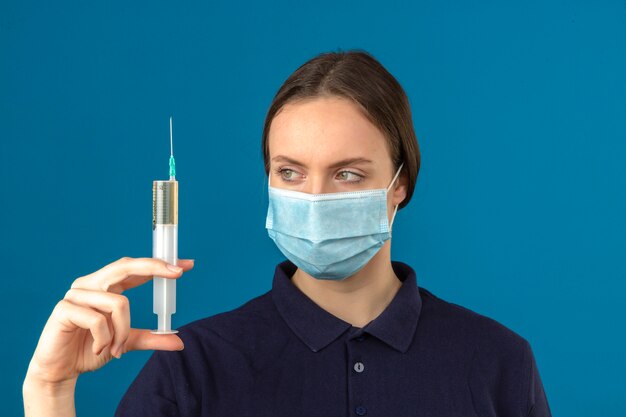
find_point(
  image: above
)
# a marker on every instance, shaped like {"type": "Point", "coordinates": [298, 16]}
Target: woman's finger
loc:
{"type": "Point", "coordinates": [115, 304]}
{"type": "Point", "coordinates": [72, 317]}
{"type": "Point", "coordinates": [186, 264]}
{"type": "Point", "coordinates": [137, 280]}
{"type": "Point", "coordinates": [137, 271]}
{"type": "Point", "coordinates": [141, 339]}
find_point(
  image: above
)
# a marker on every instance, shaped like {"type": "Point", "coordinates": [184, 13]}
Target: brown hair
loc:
{"type": "Point", "coordinates": [358, 76]}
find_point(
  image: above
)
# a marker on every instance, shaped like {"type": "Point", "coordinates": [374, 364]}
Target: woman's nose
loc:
{"type": "Point", "coordinates": [317, 185]}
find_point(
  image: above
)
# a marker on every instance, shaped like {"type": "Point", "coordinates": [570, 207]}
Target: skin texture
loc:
{"type": "Point", "coordinates": [89, 327]}
{"type": "Point", "coordinates": [317, 133]}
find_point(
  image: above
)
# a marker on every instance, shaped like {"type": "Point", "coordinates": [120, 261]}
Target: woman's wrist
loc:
{"type": "Point", "coordinates": [45, 398]}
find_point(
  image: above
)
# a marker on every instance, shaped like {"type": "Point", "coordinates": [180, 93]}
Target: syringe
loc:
{"type": "Point", "coordinates": [165, 243]}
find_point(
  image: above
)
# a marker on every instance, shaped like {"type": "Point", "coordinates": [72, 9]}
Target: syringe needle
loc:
{"type": "Point", "coordinates": [171, 142]}
{"type": "Point", "coordinates": [172, 162]}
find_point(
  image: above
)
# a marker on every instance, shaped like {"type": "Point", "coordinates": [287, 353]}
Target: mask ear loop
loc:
{"type": "Point", "coordinates": [395, 176]}
{"type": "Point", "coordinates": [388, 188]}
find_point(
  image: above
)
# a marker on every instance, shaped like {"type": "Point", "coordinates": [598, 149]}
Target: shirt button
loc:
{"type": "Point", "coordinates": [360, 338]}
{"type": "Point", "coordinates": [360, 410]}
{"type": "Point", "coordinates": [359, 367]}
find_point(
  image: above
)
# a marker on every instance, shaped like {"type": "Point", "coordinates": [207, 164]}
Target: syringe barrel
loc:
{"type": "Point", "coordinates": [165, 247]}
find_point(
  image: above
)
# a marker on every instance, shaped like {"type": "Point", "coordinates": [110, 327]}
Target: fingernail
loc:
{"type": "Point", "coordinates": [174, 268]}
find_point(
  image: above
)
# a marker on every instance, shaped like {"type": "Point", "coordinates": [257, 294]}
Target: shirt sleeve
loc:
{"type": "Point", "coordinates": [504, 380]}
{"type": "Point", "coordinates": [537, 401]}
{"type": "Point", "coordinates": [152, 392]}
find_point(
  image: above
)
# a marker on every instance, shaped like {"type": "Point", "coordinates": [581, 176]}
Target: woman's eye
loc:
{"type": "Point", "coordinates": [349, 176]}
{"type": "Point", "coordinates": [287, 174]}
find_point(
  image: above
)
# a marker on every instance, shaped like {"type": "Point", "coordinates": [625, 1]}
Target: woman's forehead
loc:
{"type": "Point", "coordinates": [325, 129]}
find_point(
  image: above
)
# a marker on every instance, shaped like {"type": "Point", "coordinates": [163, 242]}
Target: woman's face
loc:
{"type": "Point", "coordinates": [326, 145]}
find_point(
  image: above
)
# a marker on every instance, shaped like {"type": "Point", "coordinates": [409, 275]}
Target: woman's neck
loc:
{"type": "Point", "coordinates": [358, 299]}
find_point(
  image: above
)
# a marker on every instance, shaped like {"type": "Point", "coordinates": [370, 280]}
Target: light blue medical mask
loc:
{"type": "Point", "coordinates": [329, 236]}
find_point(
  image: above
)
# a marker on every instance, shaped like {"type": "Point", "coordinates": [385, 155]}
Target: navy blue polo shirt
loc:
{"type": "Point", "coordinates": [281, 355]}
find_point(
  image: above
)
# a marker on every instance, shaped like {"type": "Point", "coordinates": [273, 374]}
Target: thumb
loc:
{"type": "Point", "coordinates": [142, 339]}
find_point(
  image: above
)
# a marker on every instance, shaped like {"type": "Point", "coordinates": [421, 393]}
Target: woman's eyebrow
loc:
{"type": "Point", "coordinates": [347, 161]}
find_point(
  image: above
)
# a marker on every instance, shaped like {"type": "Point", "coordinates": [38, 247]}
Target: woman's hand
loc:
{"type": "Point", "coordinates": [91, 325]}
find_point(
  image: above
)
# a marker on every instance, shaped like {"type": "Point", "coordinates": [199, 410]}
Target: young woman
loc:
{"type": "Point", "coordinates": [344, 331]}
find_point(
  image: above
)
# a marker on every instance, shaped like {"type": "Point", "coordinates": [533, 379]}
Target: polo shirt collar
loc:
{"type": "Point", "coordinates": [317, 328]}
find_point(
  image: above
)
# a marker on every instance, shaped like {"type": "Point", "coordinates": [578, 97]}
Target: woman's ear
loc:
{"type": "Point", "coordinates": [400, 189]}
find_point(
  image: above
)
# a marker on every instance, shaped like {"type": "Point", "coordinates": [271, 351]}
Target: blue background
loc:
{"type": "Point", "coordinates": [518, 214]}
